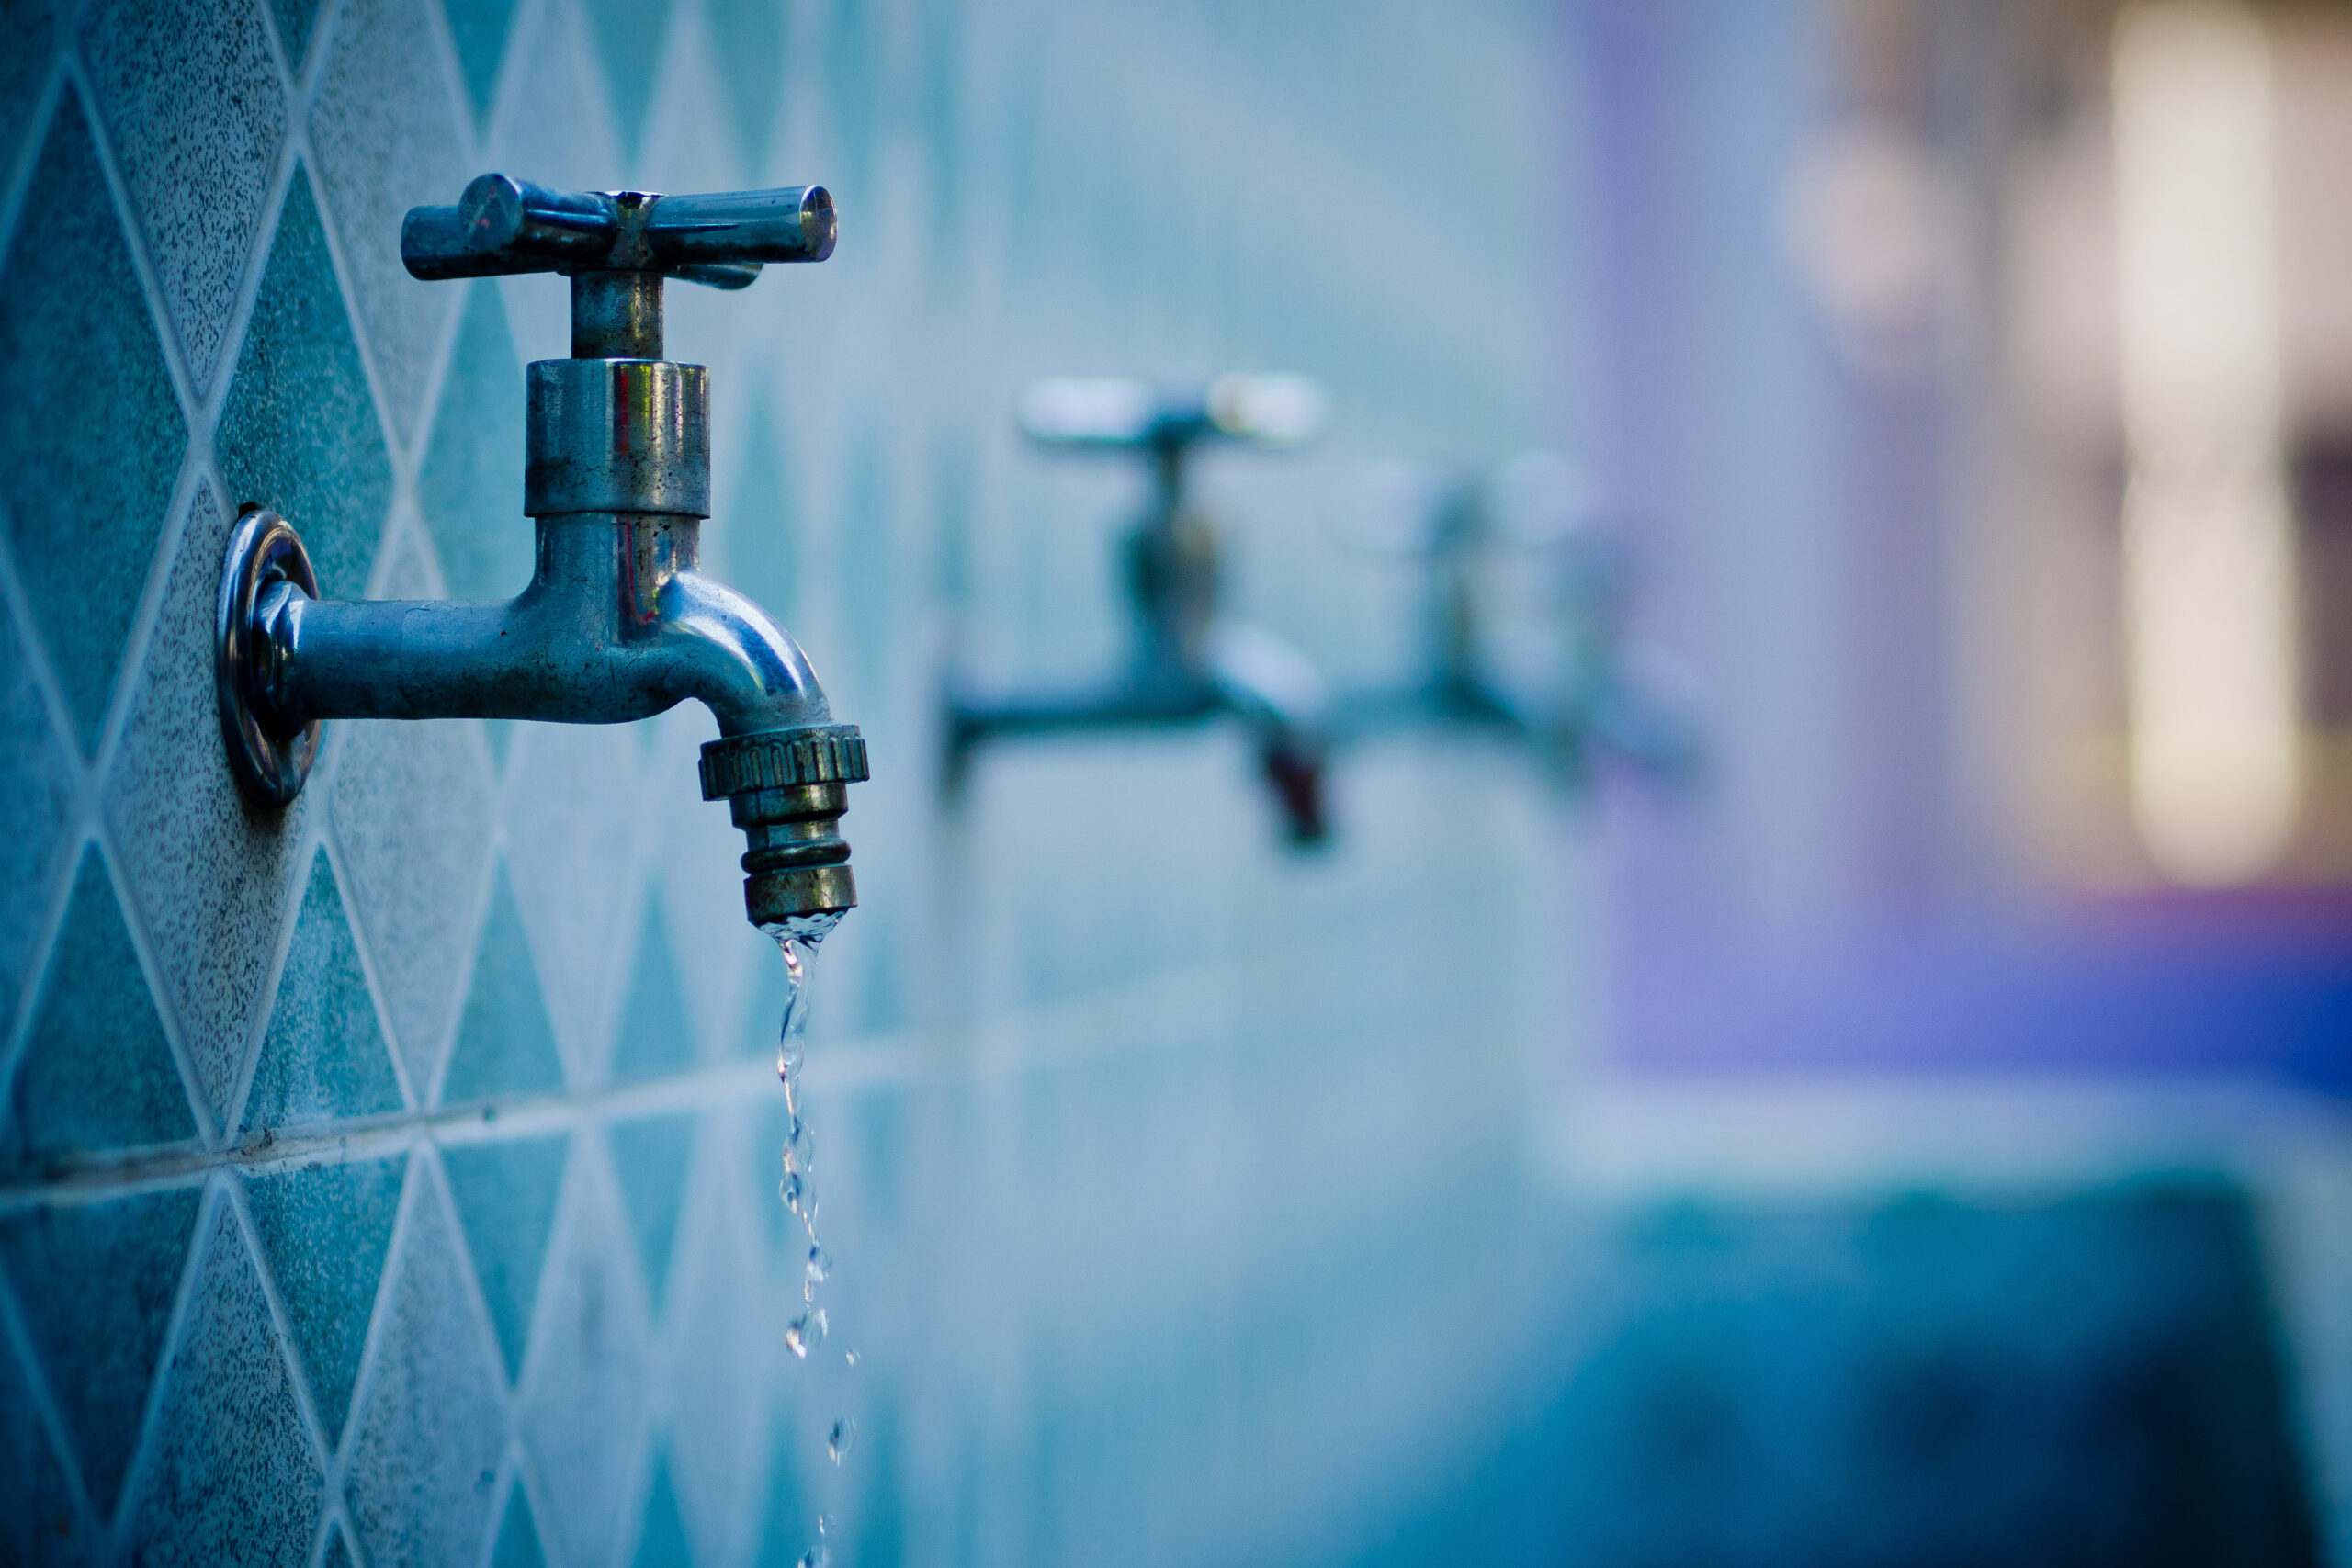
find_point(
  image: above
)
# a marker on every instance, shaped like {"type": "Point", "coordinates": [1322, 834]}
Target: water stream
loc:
{"type": "Point", "coordinates": [799, 939]}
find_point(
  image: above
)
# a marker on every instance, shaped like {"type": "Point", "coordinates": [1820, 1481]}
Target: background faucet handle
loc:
{"type": "Point", "coordinates": [1121, 412]}
{"type": "Point", "coordinates": [504, 225]}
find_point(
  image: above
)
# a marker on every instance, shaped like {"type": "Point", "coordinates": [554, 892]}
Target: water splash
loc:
{"type": "Point", "coordinates": [798, 939]}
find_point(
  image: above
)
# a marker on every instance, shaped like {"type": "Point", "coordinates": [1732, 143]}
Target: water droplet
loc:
{"type": "Point", "coordinates": [816, 1557]}
{"type": "Point", "coordinates": [838, 1440]}
{"type": "Point", "coordinates": [850, 1358]}
{"type": "Point", "coordinates": [824, 1524]}
{"type": "Point", "coordinates": [821, 1265]}
{"type": "Point", "coordinates": [796, 1340]}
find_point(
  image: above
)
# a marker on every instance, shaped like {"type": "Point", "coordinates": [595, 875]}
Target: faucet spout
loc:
{"type": "Point", "coordinates": [615, 626]}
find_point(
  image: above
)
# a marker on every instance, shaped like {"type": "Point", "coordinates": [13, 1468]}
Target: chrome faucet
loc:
{"type": "Point", "coordinates": [618, 623]}
{"type": "Point", "coordinates": [1593, 706]}
{"type": "Point", "coordinates": [1191, 663]}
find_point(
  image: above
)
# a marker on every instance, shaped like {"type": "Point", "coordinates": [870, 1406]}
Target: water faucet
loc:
{"type": "Point", "coordinates": [1191, 663]}
{"type": "Point", "coordinates": [1593, 706]}
{"type": "Point", "coordinates": [617, 624]}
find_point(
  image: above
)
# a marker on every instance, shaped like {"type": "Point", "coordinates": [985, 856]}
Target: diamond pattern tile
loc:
{"type": "Point", "coordinates": [506, 1195]}
{"type": "Point", "coordinates": [748, 47]}
{"type": "Point", "coordinates": [95, 1284]}
{"type": "Point", "coordinates": [324, 1231]}
{"type": "Point", "coordinates": [427, 1441]}
{"type": "Point", "coordinates": [629, 36]}
{"type": "Point", "coordinates": [479, 30]}
{"type": "Point", "coordinates": [201, 863]}
{"type": "Point", "coordinates": [506, 1047]}
{"type": "Point", "coordinates": [570, 825]}
{"type": "Point", "coordinates": [298, 433]}
{"type": "Point", "coordinates": [657, 1032]}
{"type": "Point", "coordinates": [552, 124]}
{"type": "Point", "coordinates": [471, 484]}
{"type": "Point", "coordinates": [296, 21]}
{"type": "Point", "coordinates": [36, 800]}
{"type": "Point", "coordinates": [323, 1056]}
{"type": "Point", "coordinates": [757, 538]}
{"type": "Point", "coordinates": [230, 1474]}
{"type": "Point", "coordinates": [518, 1537]}
{"type": "Point", "coordinates": [196, 117]}
{"type": "Point", "coordinates": [388, 131]}
{"type": "Point", "coordinates": [91, 433]}
{"type": "Point", "coordinates": [662, 1538]}
{"type": "Point", "coordinates": [38, 1520]}
{"type": "Point", "coordinates": [714, 1330]}
{"type": "Point", "coordinates": [30, 24]}
{"type": "Point", "coordinates": [650, 1156]}
{"type": "Point", "coordinates": [412, 811]}
{"type": "Point", "coordinates": [587, 1381]}
{"type": "Point", "coordinates": [96, 1072]}
{"type": "Point", "coordinates": [787, 1514]}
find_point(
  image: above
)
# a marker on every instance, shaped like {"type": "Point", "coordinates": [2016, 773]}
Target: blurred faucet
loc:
{"type": "Point", "coordinates": [1588, 704]}
{"type": "Point", "coordinates": [1191, 663]}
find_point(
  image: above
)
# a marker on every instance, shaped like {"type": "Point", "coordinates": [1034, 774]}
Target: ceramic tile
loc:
{"type": "Point", "coordinates": [230, 1474]}
{"type": "Point", "coordinates": [506, 1195]}
{"type": "Point", "coordinates": [298, 432]}
{"type": "Point", "coordinates": [650, 1156]}
{"type": "Point", "coordinates": [324, 1231]}
{"type": "Point", "coordinates": [297, 20]}
{"type": "Point", "coordinates": [95, 1284]}
{"type": "Point", "coordinates": [714, 1331]}
{"type": "Point", "coordinates": [747, 47]}
{"type": "Point", "coordinates": [91, 435]}
{"type": "Point", "coordinates": [206, 867]}
{"type": "Point", "coordinates": [471, 484]}
{"type": "Point", "coordinates": [39, 1520]}
{"type": "Point", "coordinates": [412, 811]}
{"type": "Point", "coordinates": [323, 1055]}
{"type": "Point", "coordinates": [506, 1048]}
{"type": "Point", "coordinates": [662, 1537]}
{"type": "Point", "coordinates": [477, 28]}
{"type": "Point", "coordinates": [629, 35]}
{"type": "Point", "coordinates": [756, 542]}
{"type": "Point", "coordinates": [518, 1537]}
{"type": "Point", "coordinates": [96, 1072]}
{"type": "Point", "coordinates": [196, 117]}
{"type": "Point", "coordinates": [30, 22]}
{"type": "Point", "coordinates": [388, 128]}
{"type": "Point", "coordinates": [586, 1387]}
{"type": "Point", "coordinates": [571, 791]}
{"type": "Point", "coordinates": [36, 802]}
{"type": "Point", "coordinates": [788, 1513]}
{"type": "Point", "coordinates": [657, 1034]}
{"type": "Point", "coordinates": [426, 1439]}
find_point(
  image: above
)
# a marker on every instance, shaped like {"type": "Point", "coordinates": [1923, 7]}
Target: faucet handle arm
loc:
{"type": "Point", "coordinates": [504, 225]}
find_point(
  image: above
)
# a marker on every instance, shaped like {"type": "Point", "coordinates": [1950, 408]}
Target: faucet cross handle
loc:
{"type": "Point", "coordinates": [504, 225]}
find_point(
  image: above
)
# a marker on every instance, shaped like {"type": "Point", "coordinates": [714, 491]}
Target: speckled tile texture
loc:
{"type": "Point", "coordinates": [391, 1178]}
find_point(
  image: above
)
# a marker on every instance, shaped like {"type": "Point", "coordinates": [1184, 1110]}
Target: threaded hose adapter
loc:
{"type": "Point", "coordinates": [787, 790]}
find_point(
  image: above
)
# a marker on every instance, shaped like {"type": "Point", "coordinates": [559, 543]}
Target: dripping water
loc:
{"type": "Point", "coordinates": [798, 938]}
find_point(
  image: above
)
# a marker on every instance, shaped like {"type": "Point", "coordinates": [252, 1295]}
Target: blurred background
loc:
{"type": "Point", "coordinates": [1912, 1131]}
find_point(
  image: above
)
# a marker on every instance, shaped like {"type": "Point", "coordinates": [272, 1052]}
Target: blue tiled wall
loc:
{"type": "Point", "coordinates": [391, 1179]}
